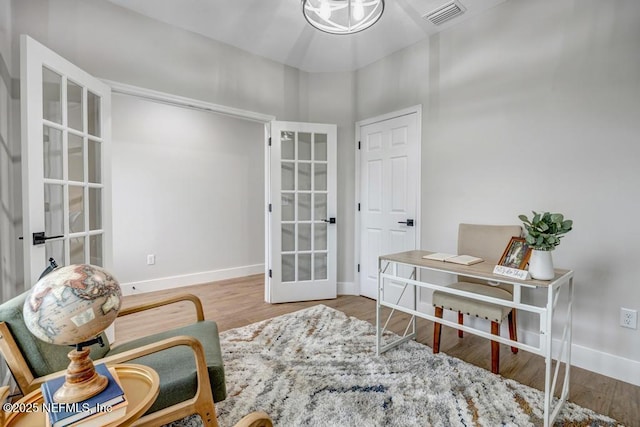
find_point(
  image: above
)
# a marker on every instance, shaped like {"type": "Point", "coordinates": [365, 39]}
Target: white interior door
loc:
{"type": "Point", "coordinates": [66, 131]}
{"type": "Point", "coordinates": [302, 222]}
{"type": "Point", "coordinates": [389, 168]}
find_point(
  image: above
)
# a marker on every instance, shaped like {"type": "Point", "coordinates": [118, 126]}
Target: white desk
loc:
{"type": "Point", "coordinates": [388, 268]}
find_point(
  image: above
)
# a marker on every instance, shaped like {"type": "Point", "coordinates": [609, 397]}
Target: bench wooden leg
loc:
{"type": "Point", "coordinates": [495, 348]}
{"type": "Point", "coordinates": [437, 330]}
{"type": "Point", "coordinates": [513, 334]}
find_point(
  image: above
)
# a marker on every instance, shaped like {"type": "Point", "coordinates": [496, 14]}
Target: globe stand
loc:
{"type": "Point", "coordinates": [81, 379]}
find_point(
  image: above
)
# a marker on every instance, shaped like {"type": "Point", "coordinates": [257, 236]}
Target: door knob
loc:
{"type": "Point", "coordinates": [39, 238]}
{"type": "Point", "coordinates": [330, 220]}
{"type": "Point", "coordinates": [409, 222]}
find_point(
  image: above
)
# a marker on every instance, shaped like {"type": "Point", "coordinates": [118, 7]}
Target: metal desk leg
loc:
{"type": "Point", "coordinates": [548, 359]}
{"type": "Point", "coordinates": [415, 303]}
{"type": "Point", "coordinates": [378, 330]}
{"type": "Point", "coordinates": [552, 376]}
{"type": "Point", "coordinates": [567, 376]}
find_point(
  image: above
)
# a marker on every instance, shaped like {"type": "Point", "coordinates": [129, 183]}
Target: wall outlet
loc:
{"type": "Point", "coordinates": [628, 318]}
{"type": "Point", "coordinates": [151, 259]}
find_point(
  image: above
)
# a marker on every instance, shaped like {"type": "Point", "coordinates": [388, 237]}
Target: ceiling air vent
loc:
{"type": "Point", "coordinates": [444, 13]}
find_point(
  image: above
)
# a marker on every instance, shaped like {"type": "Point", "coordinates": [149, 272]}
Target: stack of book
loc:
{"type": "Point", "coordinates": [99, 410]}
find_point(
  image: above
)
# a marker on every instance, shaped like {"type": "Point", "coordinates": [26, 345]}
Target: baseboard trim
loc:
{"type": "Point", "coordinates": [597, 361]}
{"type": "Point", "coordinates": [610, 365]}
{"type": "Point", "coordinates": [172, 282]}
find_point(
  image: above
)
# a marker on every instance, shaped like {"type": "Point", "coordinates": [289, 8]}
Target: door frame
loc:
{"type": "Point", "coordinates": [196, 104]}
{"type": "Point", "coordinates": [416, 109]}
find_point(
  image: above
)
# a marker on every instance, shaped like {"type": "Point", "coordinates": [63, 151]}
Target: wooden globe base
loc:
{"type": "Point", "coordinates": [81, 380]}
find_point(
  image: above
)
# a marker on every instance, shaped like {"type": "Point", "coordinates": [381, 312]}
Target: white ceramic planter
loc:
{"type": "Point", "coordinates": [541, 265]}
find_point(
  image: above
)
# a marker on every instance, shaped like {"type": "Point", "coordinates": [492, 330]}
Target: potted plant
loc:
{"type": "Point", "coordinates": [544, 231]}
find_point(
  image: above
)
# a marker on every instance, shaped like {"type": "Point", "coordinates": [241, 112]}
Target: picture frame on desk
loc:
{"type": "Point", "coordinates": [516, 254]}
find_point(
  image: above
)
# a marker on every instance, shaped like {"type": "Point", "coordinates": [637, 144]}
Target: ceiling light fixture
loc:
{"type": "Point", "coordinates": [342, 16]}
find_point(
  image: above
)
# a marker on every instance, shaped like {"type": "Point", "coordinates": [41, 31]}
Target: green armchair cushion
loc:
{"type": "Point", "coordinates": [176, 365]}
{"type": "Point", "coordinates": [43, 358]}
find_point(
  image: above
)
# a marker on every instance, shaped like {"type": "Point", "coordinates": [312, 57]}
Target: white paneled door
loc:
{"type": "Point", "coordinates": [66, 130]}
{"type": "Point", "coordinates": [389, 168]}
{"type": "Point", "coordinates": [301, 231]}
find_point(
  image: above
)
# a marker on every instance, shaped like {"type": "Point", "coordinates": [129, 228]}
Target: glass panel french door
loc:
{"type": "Point", "coordinates": [302, 225]}
{"type": "Point", "coordinates": [65, 160]}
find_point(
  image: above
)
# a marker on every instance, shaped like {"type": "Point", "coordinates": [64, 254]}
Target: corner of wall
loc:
{"type": "Point", "coordinates": [348, 288]}
{"type": "Point", "coordinates": [10, 216]}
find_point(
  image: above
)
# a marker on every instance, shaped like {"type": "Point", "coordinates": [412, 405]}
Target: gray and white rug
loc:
{"type": "Point", "coordinates": [318, 367]}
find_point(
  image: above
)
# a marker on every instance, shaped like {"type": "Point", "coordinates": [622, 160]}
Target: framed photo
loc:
{"type": "Point", "coordinates": [516, 254]}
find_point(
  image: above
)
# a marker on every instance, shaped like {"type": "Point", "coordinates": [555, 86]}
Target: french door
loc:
{"type": "Point", "coordinates": [66, 131]}
{"type": "Point", "coordinates": [302, 221]}
{"type": "Point", "coordinates": [389, 165]}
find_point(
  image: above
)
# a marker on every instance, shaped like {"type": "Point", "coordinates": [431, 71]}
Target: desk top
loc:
{"type": "Point", "coordinates": [482, 270]}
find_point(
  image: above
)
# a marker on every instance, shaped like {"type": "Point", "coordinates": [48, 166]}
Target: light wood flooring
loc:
{"type": "Point", "coordinates": [239, 302]}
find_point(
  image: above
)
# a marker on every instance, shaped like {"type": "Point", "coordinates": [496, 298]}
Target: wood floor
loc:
{"type": "Point", "coordinates": [239, 302]}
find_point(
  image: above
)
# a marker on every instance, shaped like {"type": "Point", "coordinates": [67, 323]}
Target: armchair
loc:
{"type": "Point", "coordinates": [188, 361]}
{"type": "Point", "coordinates": [487, 242]}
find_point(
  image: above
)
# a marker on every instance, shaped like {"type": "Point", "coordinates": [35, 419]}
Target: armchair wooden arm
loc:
{"type": "Point", "coordinates": [14, 359]}
{"type": "Point", "coordinates": [165, 301]}
{"type": "Point", "coordinates": [201, 402]}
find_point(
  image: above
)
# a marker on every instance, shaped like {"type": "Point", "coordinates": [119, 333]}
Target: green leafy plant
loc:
{"type": "Point", "coordinates": [545, 230]}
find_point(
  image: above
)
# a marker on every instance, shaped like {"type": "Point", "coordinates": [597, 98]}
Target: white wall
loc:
{"type": "Point", "coordinates": [535, 105]}
{"type": "Point", "coordinates": [5, 31]}
{"type": "Point", "coordinates": [10, 268]}
{"type": "Point", "coordinates": [6, 187]}
{"type": "Point", "coordinates": [187, 188]}
{"type": "Point", "coordinates": [330, 99]}
{"type": "Point", "coordinates": [531, 105]}
{"type": "Point", "coordinates": [119, 45]}
{"type": "Point", "coordinates": [10, 274]}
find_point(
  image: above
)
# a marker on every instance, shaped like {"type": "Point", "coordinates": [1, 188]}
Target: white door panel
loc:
{"type": "Point", "coordinates": [302, 225]}
{"type": "Point", "coordinates": [389, 193]}
{"type": "Point", "coordinates": [66, 133]}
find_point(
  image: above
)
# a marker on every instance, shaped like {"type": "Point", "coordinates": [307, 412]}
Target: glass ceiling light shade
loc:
{"type": "Point", "coordinates": [342, 16]}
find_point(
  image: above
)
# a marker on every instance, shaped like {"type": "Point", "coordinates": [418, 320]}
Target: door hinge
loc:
{"type": "Point", "coordinates": [358, 268]}
{"type": "Point", "coordinates": [270, 207]}
{"type": "Point", "coordinates": [358, 207]}
{"type": "Point", "coordinates": [270, 273]}
{"type": "Point", "coordinates": [358, 145]}
{"type": "Point", "coordinates": [269, 141]}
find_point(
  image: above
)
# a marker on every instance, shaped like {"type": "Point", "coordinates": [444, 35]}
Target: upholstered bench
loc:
{"type": "Point", "coordinates": [487, 242]}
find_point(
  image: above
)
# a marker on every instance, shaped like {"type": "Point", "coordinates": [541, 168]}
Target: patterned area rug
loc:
{"type": "Point", "coordinates": [318, 367]}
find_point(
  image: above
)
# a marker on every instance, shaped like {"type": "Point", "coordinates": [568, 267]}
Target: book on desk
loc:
{"type": "Point", "coordinates": [456, 259]}
{"type": "Point", "coordinates": [103, 408]}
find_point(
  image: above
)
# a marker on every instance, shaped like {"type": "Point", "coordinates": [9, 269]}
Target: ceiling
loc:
{"type": "Point", "coordinates": [276, 29]}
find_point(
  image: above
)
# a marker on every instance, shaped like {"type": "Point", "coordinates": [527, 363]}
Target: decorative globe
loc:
{"type": "Point", "coordinates": [72, 304]}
